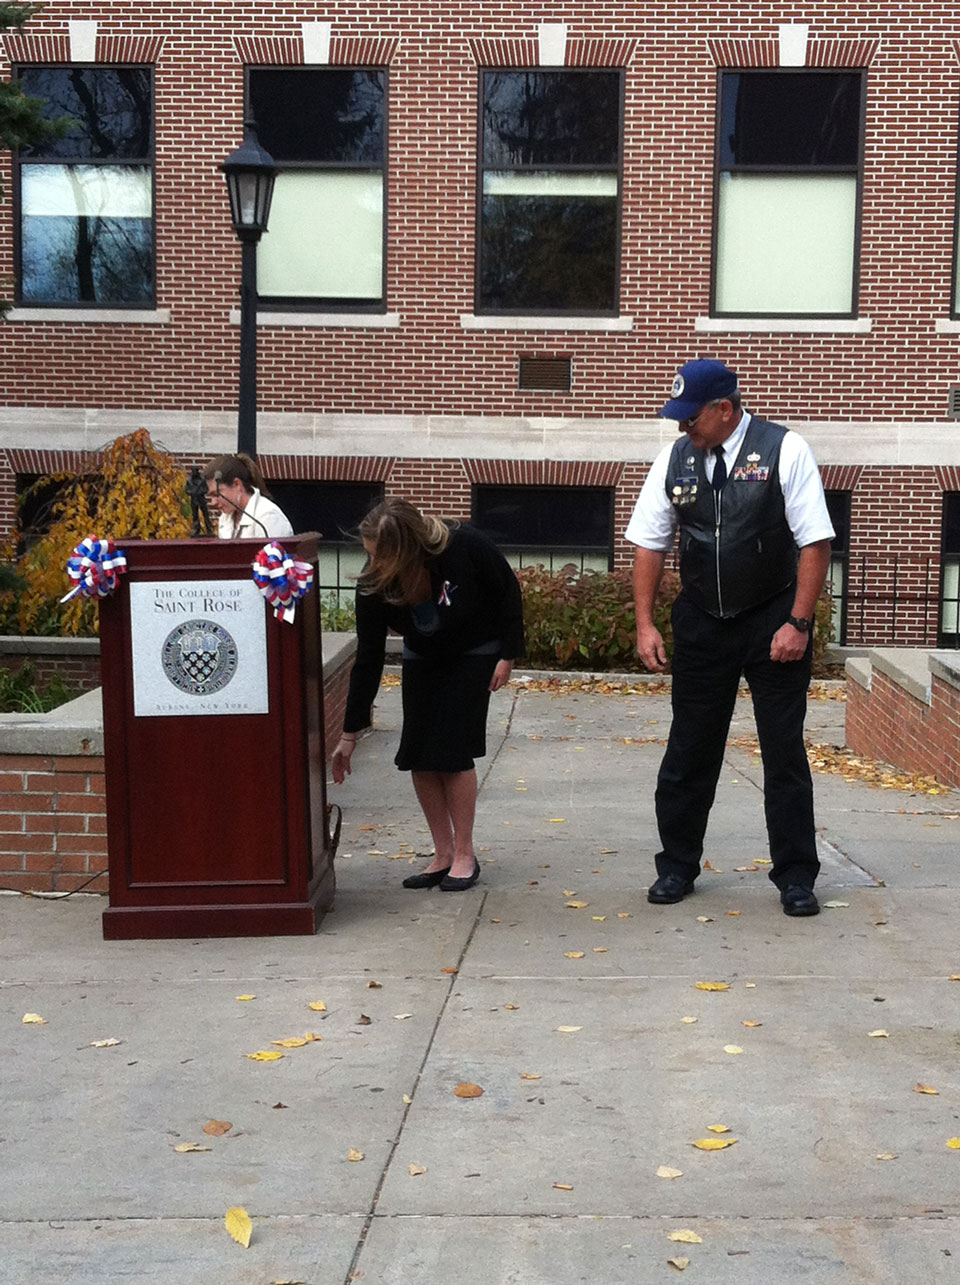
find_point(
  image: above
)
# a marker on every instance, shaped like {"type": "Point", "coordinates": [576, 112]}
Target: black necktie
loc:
{"type": "Point", "coordinates": [719, 468]}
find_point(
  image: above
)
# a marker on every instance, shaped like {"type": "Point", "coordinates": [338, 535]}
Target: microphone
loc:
{"type": "Point", "coordinates": [218, 478]}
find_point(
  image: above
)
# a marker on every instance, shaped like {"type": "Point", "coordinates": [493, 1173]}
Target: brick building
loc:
{"type": "Point", "coordinates": [497, 230]}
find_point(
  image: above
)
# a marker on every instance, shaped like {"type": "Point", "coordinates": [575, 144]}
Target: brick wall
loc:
{"type": "Point", "coordinates": [53, 830]}
{"type": "Point", "coordinates": [888, 723]}
{"type": "Point", "coordinates": [867, 399]}
{"type": "Point", "coordinates": [80, 673]}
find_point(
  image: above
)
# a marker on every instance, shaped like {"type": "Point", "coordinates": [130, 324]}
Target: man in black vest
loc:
{"type": "Point", "coordinates": [754, 550]}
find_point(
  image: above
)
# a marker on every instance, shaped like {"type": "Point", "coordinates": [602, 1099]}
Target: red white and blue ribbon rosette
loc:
{"type": "Point", "coordinates": [281, 579]}
{"type": "Point", "coordinates": [94, 567]}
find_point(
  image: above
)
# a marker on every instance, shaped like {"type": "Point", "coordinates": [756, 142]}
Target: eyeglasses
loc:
{"type": "Point", "coordinates": [691, 423]}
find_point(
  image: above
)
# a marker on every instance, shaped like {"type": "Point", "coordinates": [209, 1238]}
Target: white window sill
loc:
{"type": "Point", "coordinates": [947, 326]}
{"type": "Point", "coordinates": [121, 316]}
{"type": "Point", "coordinates": [470, 321]}
{"type": "Point", "coordinates": [358, 320]}
{"type": "Point", "coordinates": [784, 325]}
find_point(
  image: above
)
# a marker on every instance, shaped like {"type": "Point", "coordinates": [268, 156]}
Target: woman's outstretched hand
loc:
{"type": "Point", "coordinates": [341, 758]}
{"type": "Point", "coordinates": [501, 675]}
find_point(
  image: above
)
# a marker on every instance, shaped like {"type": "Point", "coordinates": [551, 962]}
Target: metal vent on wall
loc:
{"type": "Point", "coordinates": [954, 408]}
{"type": "Point", "coordinates": [550, 374]}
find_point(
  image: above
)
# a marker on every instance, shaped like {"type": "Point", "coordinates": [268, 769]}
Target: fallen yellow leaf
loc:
{"type": "Point", "coordinates": [354, 1156]}
{"type": "Point", "coordinates": [685, 1236]}
{"type": "Point", "coordinates": [238, 1224]}
{"type": "Point", "coordinates": [577, 905]}
{"type": "Point", "coordinates": [569, 892]}
{"type": "Point", "coordinates": [664, 1171]}
{"type": "Point", "coordinates": [954, 977]}
{"type": "Point", "coordinates": [681, 1264]}
{"type": "Point", "coordinates": [312, 1037]}
{"type": "Point", "coordinates": [836, 905]}
{"type": "Point", "coordinates": [704, 919]}
{"type": "Point", "coordinates": [562, 1186]}
{"type": "Point", "coordinates": [712, 986]}
{"type": "Point", "coordinates": [402, 1017]}
{"type": "Point", "coordinates": [511, 1008]}
{"type": "Point", "coordinates": [953, 1144]}
{"type": "Point", "coordinates": [217, 1128]}
{"type": "Point", "coordinates": [245, 997]}
{"type": "Point", "coordinates": [105, 1044]}
{"type": "Point", "coordinates": [318, 1006]}
{"type": "Point", "coordinates": [732, 1048]}
{"type": "Point", "coordinates": [732, 913]}
{"type": "Point", "coordinates": [33, 1019]}
{"type": "Point", "coordinates": [743, 869]}
{"type": "Point", "coordinates": [713, 1144]}
{"type": "Point", "coordinates": [926, 1088]}
{"type": "Point", "coordinates": [450, 970]}
{"type": "Point", "coordinates": [374, 986]}
{"type": "Point", "coordinates": [567, 1030]}
{"type": "Point", "coordinates": [557, 820]}
{"type": "Point", "coordinates": [416, 1170]}
{"type": "Point", "coordinates": [689, 1020]}
{"type": "Point", "coordinates": [191, 1146]}
{"type": "Point", "coordinates": [622, 914]}
{"type": "Point", "coordinates": [467, 1090]}
{"type": "Point", "coordinates": [530, 1075]}
{"type": "Point", "coordinates": [750, 986]}
{"type": "Point", "coordinates": [600, 950]}
{"type": "Point", "coordinates": [573, 954]}
{"type": "Point", "coordinates": [407, 1099]}
{"type": "Point", "coordinates": [719, 1128]}
{"type": "Point", "coordinates": [886, 1155]}
{"type": "Point", "coordinates": [294, 1042]}
{"type": "Point", "coordinates": [598, 919]}
{"type": "Point", "coordinates": [265, 1055]}
{"type": "Point", "coordinates": [879, 1035]}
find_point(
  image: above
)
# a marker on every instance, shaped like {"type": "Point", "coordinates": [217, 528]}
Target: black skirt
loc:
{"type": "Point", "coordinates": [445, 705]}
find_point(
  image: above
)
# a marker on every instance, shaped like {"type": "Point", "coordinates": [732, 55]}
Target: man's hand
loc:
{"type": "Point", "coordinates": [650, 648]}
{"type": "Point", "coordinates": [501, 675]}
{"type": "Point", "coordinates": [788, 644]}
{"type": "Point", "coordinates": [340, 763]}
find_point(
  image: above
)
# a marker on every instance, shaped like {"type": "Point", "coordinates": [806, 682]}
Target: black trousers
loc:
{"type": "Point", "coordinates": [709, 657]}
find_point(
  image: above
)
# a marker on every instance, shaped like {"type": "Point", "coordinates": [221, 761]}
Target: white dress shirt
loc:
{"type": "Point", "coordinates": [239, 524]}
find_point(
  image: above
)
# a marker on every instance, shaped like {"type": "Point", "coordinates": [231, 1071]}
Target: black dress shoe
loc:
{"type": "Point", "coordinates": [797, 900]}
{"type": "Point", "coordinates": [452, 884]}
{"type": "Point", "coordinates": [668, 889]}
{"type": "Point", "coordinates": [425, 880]}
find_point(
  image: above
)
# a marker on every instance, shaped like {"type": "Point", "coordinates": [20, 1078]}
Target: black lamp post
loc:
{"type": "Point", "coordinates": [250, 173]}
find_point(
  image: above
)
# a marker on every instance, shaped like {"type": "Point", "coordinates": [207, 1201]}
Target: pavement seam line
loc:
{"type": "Point", "coordinates": [372, 1211]}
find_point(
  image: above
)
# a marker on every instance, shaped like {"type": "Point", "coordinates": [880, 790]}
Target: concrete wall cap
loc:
{"type": "Point", "coordinates": [909, 667]}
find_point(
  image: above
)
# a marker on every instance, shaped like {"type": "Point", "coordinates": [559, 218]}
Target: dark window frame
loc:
{"type": "Point", "coordinates": [19, 161]}
{"type": "Point", "coordinates": [719, 169]}
{"type": "Point", "coordinates": [479, 309]}
{"type": "Point", "coordinates": [950, 498]}
{"type": "Point", "coordinates": [518, 546]}
{"type": "Point", "coordinates": [323, 303]}
{"type": "Point", "coordinates": [840, 552]}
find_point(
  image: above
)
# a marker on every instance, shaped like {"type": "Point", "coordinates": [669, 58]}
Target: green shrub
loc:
{"type": "Point", "coordinates": [335, 618]}
{"type": "Point", "coordinates": [19, 693]}
{"type": "Point", "coordinates": [586, 619]}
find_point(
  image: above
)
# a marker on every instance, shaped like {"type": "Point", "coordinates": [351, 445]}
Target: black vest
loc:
{"type": "Point", "coordinates": [736, 548]}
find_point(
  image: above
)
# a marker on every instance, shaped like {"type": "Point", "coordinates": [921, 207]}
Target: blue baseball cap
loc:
{"type": "Point", "coordinates": [696, 383]}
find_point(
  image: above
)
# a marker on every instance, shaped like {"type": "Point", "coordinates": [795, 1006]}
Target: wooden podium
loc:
{"type": "Point", "coordinates": [217, 821]}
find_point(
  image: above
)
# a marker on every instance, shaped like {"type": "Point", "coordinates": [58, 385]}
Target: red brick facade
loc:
{"type": "Point", "coordinates": [429, 404]}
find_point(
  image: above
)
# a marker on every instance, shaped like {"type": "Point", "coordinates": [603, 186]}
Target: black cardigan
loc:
{"type": "Point", "coordinates": [478, 601]}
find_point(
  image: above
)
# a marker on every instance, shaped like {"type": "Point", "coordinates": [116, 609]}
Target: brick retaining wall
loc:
{"type": "Point", "coordinates": [900, 714]}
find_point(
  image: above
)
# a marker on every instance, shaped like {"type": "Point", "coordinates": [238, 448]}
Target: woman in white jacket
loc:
{"type": "Point", "coordinates": [235, 492]}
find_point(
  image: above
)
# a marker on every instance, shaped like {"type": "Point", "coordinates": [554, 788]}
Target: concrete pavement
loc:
{"type": "Point", "coordinates": [550, 1177]}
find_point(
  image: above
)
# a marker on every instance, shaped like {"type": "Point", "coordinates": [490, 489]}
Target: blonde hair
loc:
{"type": "Point", "coordinates": [402, 539]}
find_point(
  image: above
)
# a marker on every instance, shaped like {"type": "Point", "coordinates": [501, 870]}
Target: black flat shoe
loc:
{"type": "Point", "coordinates": [669, 889]}
{"type": "Point", "coordinates": [425, 880]}
{"type": "Point", "coordinates": [451, 884]}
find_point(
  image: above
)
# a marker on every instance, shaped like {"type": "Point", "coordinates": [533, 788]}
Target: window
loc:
{"type": "Point", "coordinates": [838, 506]}
{"type": "Point", "coordinates": [325, 242]}
{"type": "Point", "coordinates": [789, 153]}
{"type": "Point", "coordinates": [548, 525]}
{"type": "Point", "coordinates": [950, 590]}
{"type": "Point", "coordinates": [549, 200]}
{"type": "Point", "coordinates": [334, 509]}
{"type": "Point", "coordinates": [85, 201]}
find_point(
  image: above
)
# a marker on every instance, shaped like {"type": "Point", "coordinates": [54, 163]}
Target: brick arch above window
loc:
{"type": "Point", "coordinates": [766, 53]}
{"type": "Point", "coordinates": [129, 50]}
{"type": "Point", "coordinates": [840, 477]}
{"type": "Point", "coordinates": [948, 476]}
{"type": "Point", "coordinates": [327, 468]}
{"type": "Point", "coordinates": [599, 52]}
{"type": "Point", "coordinates": [345, 51]}
{"type": "Point", "coordinates": [543, 472]}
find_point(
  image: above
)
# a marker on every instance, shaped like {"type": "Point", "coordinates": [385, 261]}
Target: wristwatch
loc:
{"type": "Point", "coordinates": [800, 623]}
